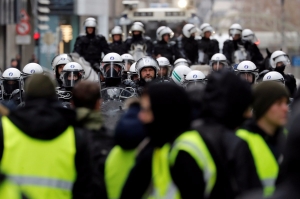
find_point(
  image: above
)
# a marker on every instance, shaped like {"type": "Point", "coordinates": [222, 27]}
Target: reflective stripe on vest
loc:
{"type": "Point", "coordinates": [192, 143]}
{"type": "Point", "coordinates": [163, 187]}
{"type": "Point", "coordinates": [42, 168]}
{"type": "Point", "coordinates": [117, 167]}
{"type": "Point", "coordinates": [265, 162]}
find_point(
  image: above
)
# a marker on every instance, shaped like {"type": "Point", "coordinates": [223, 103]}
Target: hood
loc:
{"type": "Point", "coordinates": [89, 119]}
{"type": "Point", "coordinates": [129, 131]}
{"type": "Point", "coordinates": [43, 118]}
{"type": "Point", "coordinates": [171, 110]}
{"type": "Point", "coordinates": [226, 97]}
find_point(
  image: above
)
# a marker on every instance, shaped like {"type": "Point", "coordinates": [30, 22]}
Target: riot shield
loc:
{"type": "Point", "coordinates": [113, 99]}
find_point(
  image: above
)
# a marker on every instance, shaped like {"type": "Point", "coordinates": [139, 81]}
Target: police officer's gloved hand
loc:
{"type": "Point", "coordinates": [129, 83]}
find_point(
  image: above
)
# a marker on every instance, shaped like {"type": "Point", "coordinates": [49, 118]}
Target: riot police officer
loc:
{"type": "Point", "coordinates": [112, 69]}
{"type": "Point", "coordinates": [70, 75]}
{"type": "Point", "coordinates": [163, 47]}
{"type": "Point", "coordinates": [91, 46]}
{"type": "Point", "coordinates": [230, 46]}
{"type": "Point", "coordinates": [207, 46]}
{"type": "Point", "coordinates": [58, 63]}
{"type": "Point", "coordinates": [11, 84]}
{"type": "Point", "coordinates": [186, 44]}
{"type": "Point", "coordinates": [250, 43]}
{"type": "Point", "coordinates": [117, 44]}
{"type": "Point", "coordinates": [279, 61]}
{"type": "Point", "coordinates": [137, 37]}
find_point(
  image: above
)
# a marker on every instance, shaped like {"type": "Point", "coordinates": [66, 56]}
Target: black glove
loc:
{"type": "Point", "coordinates": [129, 83]}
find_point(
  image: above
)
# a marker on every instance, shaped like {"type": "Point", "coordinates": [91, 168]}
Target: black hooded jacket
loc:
{"type": "Point", "coordinates": [117, 47]}
{"type": "Point", "coordinates": [187, 48]}
{"type": "Point", "coordinates": [226, 98]}
{"type": "Point", "coordinates": [45, 119]}
{"type": "Point", "coordinates": [209, 47]}
{"type": "Point", "coordinates": [165, 49]}
{"type": "Point", "coordinates": [91, 47]}
{"type": "Point", "coordinates": [172, 116]}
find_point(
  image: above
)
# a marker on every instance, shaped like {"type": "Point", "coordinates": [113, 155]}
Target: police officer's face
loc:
{"type": "Point", "coordinates": [166, 37]}
{"type": "Point", "coordinates": [277, 113]}
{"type": "Point", "coordinates": [217, 66]}
{"type": "Point", "coordinates": [60, 68]}
{"type": "Point", "coordinates": [236, 37]}
{"type": "Point", "coordinates": [90, 30]}
{"type": "Point", "coordinates": [248, 77]}
{"type": "Point", "coordinates": [74, 77]}
{"type": "Point", "coordinates": [207, 34]}
{"type": "Point", "coordinates": [117, 37]}
{"type": "Point", "coordinates": [148, 74]}
{"type": "Point", "coordinates": [145, 114]}
{"type": "Point", "coordinates": [279, 64]}
{"type": "Point", "coordinates": [134, 77]}
{"type": "Point", "coordinates": [163, 72]}
{"type": "Point", "coordinates": [136, 32]}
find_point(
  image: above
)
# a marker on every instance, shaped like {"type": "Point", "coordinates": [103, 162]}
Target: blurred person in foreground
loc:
{"type": "Point", "coordinates": [87, 101]}
{"type": "Point", "coordinates": [226, 101]}
{"type": "Point", "coordinates": [129, 133]}
{"type": "Point", "coordinates": [41, 150]}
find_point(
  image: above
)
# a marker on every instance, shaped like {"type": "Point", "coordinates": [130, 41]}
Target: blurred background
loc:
{"type": "Point", "coordinates": [36, 30]}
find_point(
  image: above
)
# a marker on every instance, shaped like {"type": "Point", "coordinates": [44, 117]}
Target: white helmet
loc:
{"type": "Point", "coordinates": [181, 61]}
{"type": "Point", "coordinates": [194, 77]}
{"type": "Point", "coordinates": [11, 80]}
{"type": "Point", "coordinates": [117, 30]}
{"type": "Point", "coordinates": [137, 26]}
{"type": "Point", "coordinates": [112, 65]}
{"type": "Point", "coordinates": [246, 68]}
{"type": "Point", "coordinates": [179, 73]}
{"type": "Point", "coordinates": [132, 69]}
{"type": "Point", "coordinates": [71, 74]}
{"type": "Point", "coordinates": [188, 30]}
{"type": "Point", "coordinates": [162, 31]}
{"type": "Point", "coordinates": [205, 27]}
{"type": "Point", "coordinates": [218, 61]}
{"type": "Point", "coordinates": [32, 68]}
{"type": "Point", "coordinates": [128, 61]}
{"type": "Point", "coordinates": [279, 56]}
{"type": "Point", "coordinates": [146, 62]}
{"type": "Point", "coordinates": [274, 76]}
{"type": "Point", "coordinates": [248, 35]}
{"type": "Point", "coordinates": [90, 22]}
{"type": "Point", "coordinates": [164, 62]}
{"type": "Point", "coordinates": [235, 29]}
{"type": "Point", "coordinates": [61, 59]}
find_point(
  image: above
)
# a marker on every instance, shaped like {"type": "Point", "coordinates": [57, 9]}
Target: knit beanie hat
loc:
{"type": "Point", "coordinates": [39, 86]}
{"type": "Point", "coordinates": [265, 94]}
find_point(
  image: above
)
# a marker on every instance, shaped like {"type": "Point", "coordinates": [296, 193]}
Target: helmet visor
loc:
{"type": "Point", "coordinates": [127, 64]}
{"type": "Point", "coordinates": [233, 32]}
{"type": "Point", "coordinates": [218, 65]}
{"type": "Point", "coordinates": [71, 78]}
{"type": "Point", "coordinates": [112, 70]}
{"type": "Point", "coordinates": [10, 86]}
{"type": "Point", "coordinates": [249, 77]}
{"type": "Point", "coordinates": [282, 60]}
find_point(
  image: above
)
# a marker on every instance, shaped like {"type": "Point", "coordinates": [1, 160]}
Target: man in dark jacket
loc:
{"type": "Point", "coordinates": [86, 101]}
{"type": "Point", "coordinates": [163, 47]}
{"type": "Point", "coordinates": [45, 121]}
{"type": "Point", "coordinates": [91, 46]}
{"type": "Point", "coordinates": [226, 99]}
{"type": "Point", "coordinates": [208, 46]}
{"type": "Point", "coordinates": [116, 45]}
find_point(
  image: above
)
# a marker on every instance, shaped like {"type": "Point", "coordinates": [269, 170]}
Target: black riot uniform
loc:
{"type": "Point", "coordinates": [209, 47]}
{"type": "Point", "coordinates": [187, 48]}
{"type": "Point", "coordinates": [139, 39]}
{"type": "Point", "coordinates": [91, 47]}
{"type": "Point", "coordinates": [165, 49]}
{"type": "Point", "coordinates": [117, 47]}
{"type": "Point", "coordinates": [230, 46]}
